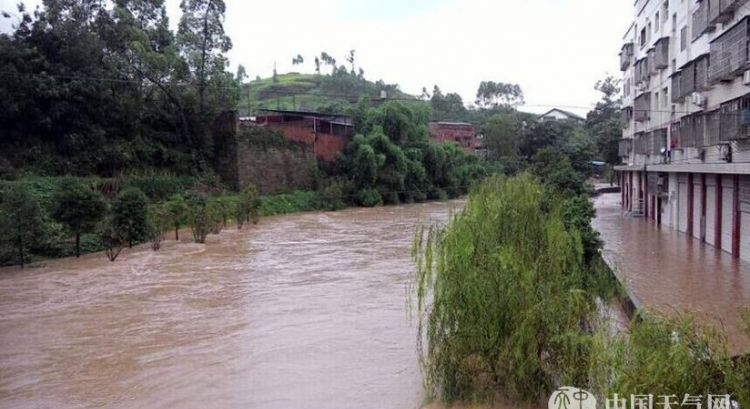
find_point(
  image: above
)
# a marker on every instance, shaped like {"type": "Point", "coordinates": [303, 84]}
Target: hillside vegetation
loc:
{"type": "Point", "coordinates": [331, 93]}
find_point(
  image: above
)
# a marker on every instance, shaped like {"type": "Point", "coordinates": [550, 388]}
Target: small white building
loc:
{"type": "Point", "coordinates": [556, 114]}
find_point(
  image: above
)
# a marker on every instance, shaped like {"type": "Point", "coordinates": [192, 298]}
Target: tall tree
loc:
{"type": "Point", "coordinates": [604, 122]}
{"type": "Point", "coordinates": [202, 40]}
{"type": "Point", "coordinates": [491, 95]}
{"type": "Point", "coordinates": [241, 74]}
{"type": "Point", "coordinates": [350, 59]}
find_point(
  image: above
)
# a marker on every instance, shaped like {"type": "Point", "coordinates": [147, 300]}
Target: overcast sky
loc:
{"type": "Point", "coordinates": [555, 49]}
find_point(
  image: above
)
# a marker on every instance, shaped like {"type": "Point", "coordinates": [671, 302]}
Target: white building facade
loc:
{"type": "Point", "coordinates": [686, 119]}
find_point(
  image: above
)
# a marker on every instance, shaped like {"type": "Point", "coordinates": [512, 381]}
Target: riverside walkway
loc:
{"type": "Point", "coordinates": [668, 272]}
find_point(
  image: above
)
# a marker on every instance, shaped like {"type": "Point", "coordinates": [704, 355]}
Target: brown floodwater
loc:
{"type": "Point", "coordinates": [301, 311]}
{"type": "Point", "coordinates": [670, 273]}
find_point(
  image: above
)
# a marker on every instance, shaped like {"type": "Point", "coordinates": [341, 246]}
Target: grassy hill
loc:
{"type": "Point", "coordinates": [332, 93]}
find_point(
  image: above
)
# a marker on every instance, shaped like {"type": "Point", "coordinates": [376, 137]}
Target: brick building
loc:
{"type": "Point", "coordinates": [464, 134]}
{"type": "Point", "coordinates": [328, 134]}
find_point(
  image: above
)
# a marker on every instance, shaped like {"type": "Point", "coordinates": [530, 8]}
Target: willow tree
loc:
{"type": "Point", "coordinates": [501, 296]}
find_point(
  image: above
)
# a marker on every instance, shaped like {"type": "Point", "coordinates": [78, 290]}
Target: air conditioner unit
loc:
{"type": "Point", "coordinates": [746, 78]}
{"type": "Point", "coordinates": [698, 99]}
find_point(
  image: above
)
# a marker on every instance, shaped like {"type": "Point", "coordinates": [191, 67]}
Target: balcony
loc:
{"type": "Point", "coordinates": [651, 61]}
{"type": "Point", "coordinates": [687, 79]}
{"type": "Point", "coordinates": [641, 110]}
{"type": "Point", "coordinates": [625, 147]}
{"type": "Point", "coordinates": [688, 131]}
{"type": "Point", "coordinates": [722, 11]}
{"type": "Point", "coordinates": [701, 73]}
{"type": "Point", "coordinates": [677, 95]}
{"type": "Point", "coordinates": [627, 116]}
{"type": "Point", "coordinates": [642, 71]}
{"type": "Point", "coordinates": [735, 119]}
{"type": "Point", "coordinates": [701, 22]}
{"type": "Point", "coordinates": [626, 56]}
{"type": "Point", "coordinates": [729, 53]}
{"type": "Point", "coordinates": [661, 54]}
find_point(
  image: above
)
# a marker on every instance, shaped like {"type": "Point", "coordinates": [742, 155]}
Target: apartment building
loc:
{"type": "Point", "coordinates": [686, 119]}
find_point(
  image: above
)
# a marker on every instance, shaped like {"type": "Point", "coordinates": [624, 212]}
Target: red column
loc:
{"type": "Point", "coordinates": [736, 217]}
{"type": "Point", "coordinates": [644, 188]}
{"type": "Point", "coordinates": [703, 207]}
{"type": "Point", "coordinates": [719, 211]}
{"type": "Point", "coordinates": [690, 205]}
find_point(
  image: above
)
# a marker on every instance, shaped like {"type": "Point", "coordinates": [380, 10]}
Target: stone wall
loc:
{"type": "Point", "coordinates": [274, 158]}
{"type": "Point", "coordinates": [275, 167]}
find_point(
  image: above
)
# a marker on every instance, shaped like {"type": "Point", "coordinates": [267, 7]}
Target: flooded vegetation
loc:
{"type": "Point", "coordinates": [307, 310]}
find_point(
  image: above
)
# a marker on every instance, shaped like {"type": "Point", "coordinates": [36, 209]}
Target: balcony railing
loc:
{"type": "Point", "coordinates": [729, 53]}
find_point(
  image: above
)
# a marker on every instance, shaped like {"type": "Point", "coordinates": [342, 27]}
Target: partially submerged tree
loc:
{"type": "Point", "coordinates": [178, 211]}
{"type": "Point", "coordinates": [159, 222]}
{"type": "Point", "coordinates": [130, 216]}
{"type": "Point", "coordinates": [78, 208]}
{"type": "Point", "coordinates": [20, 220]}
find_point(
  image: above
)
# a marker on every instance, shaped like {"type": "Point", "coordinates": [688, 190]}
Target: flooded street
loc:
{"type": "Point", "coordinates": [669, 272]}
{"type": "Point", "coordinates": [302, 311]}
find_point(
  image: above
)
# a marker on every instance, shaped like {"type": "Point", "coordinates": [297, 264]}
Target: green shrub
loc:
{"type": "Point", "coordinates": [369, 198]}
{"type": "Point", "coordinates": [299, 201]}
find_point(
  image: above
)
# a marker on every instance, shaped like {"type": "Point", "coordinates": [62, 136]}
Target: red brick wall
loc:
{"type": "Point", "coordinates": [328, 146]}
{"type": "Point", "coordinates": [464, 135]}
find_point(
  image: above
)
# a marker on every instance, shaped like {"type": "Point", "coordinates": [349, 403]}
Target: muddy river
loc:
{"type": "Point", "coordinates": [302, 311]}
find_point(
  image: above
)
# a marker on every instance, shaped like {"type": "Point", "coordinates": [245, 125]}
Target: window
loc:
{"type": "Point", "coordinates": [665, 96]}
{"type": "Point", "coordinates": [674, 22]}
{"type": "Point", "coordinates": [656, 22]}
{"type": "Point", "coordinates": [656, 101]}
{"type": "Point", "coordinates": [665, 11]}
{"type": "Point", "coordinates": [643, 37]}
{"type": "Point", "coordinates": [683, 38]}
{"type": "Point", "coordinates": [674, 65]}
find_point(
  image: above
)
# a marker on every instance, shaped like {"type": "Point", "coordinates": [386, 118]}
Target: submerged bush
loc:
{"type": "Point", "coordinates": [669, 356]}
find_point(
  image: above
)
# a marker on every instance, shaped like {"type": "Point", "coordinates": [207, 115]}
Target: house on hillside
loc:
{"type": "Point", "coordinates": [463, 134]}
{"type": "Point", "coordinates": [328, 134]}
{"type": "Point", "coordinates": [556, 114]}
